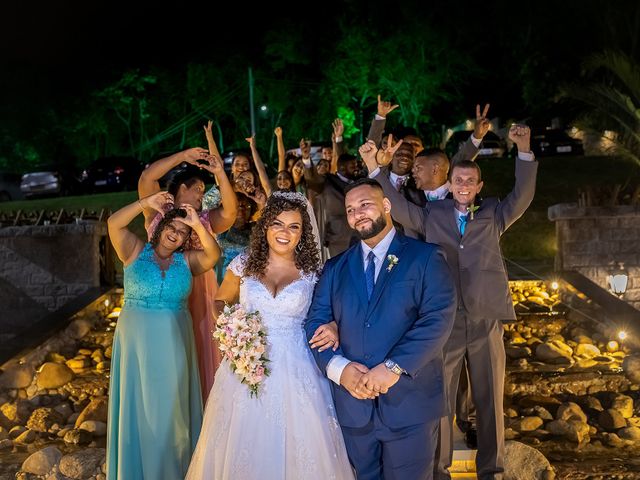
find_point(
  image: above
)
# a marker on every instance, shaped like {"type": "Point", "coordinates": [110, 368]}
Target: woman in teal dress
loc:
{"type": "Point", "coordinates": [155, 404]}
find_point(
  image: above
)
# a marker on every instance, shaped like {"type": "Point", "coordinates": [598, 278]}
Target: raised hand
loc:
{"type": "Point", "coordinates": [192, 155]}
{"type": "Point", "coordinates": [338, 128]}
{"type": "Point", "coordinates": [213, 166]}
{"type": "Point", "coordinates": [368, 153]}
{"type": "Point", "coordinates": [252, 141]}
{"type": "Point", "coordinates": [385, 155]}
{"type": "Point", "coordinates": [482, 122]}
{"type": "Point", "coordinates": [385, 108]}
{"type": "Point", "coordinates": [259, 197]}
{"type": "Point", "coordinates": [208, 129]}
{"type": "Point", "coordinates": [521, 136]}
{"type": "Point", "coordinates": [378, 380]}
{"type": "Point", "coordinates": [325, 337]}
{"type": "Point", "coordinates": [192, 219]}
{"type": "Point", "coordinates": [350, 379]}
{"type": "Point", "coordinates": [157, 201]}
{"type": "Point", "coordinates": [278, 132]}
{"type": "Point", "coordinates": [305, 148]}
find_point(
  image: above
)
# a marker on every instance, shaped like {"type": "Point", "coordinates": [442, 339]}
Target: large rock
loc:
{"type": "Point", "coordinates": [573, 430]}
{"type": "Point", "coordinates": [571, 411]}
{"type": "Point", "coordinates": [43, 461]}
{"type": "Point", "coordinates": [527, 424]}
{"type": "Point", "coordinates": [78, 328]}
{"type": "Point", "coordinates": [14, 413]}
{"type": "Point", "coordinates": [53, 375]}
{"type": "Point", "coordinates": [78, 437]}
{"type": "Point", "coordinates": [555, 352]}
{"type": "Point", "coordinates": [587, 350]}
{"type": "Point", "coordinates": [42, 419]}
{"type": "Point", "coordinates": [623, 404]}
{"type": "Point", "coordinates": [522, 462]}
{"type": "Point", "coordinates": [65, 410]}
{"type": "Point", "coordinates": [26, 437]}
{"type": "Point", "coordinates": [82, 464]}
{"type": "Point", "coordinates": [96, 410]}
{"type": "Point", "coordinates": [630, 433]}
{"type": "Point", "coordinates": [611, 420]}
{"type": "Point", "coordinates": [18, 376]}
{"type": "Point", "coordinates": [517, 352]}
{"type": "Point", "coordinates": [631, 367]}
{"type": "Point", "coordinates": [591, 403]}
{"type": "Point", "coordinates": [98, 429]}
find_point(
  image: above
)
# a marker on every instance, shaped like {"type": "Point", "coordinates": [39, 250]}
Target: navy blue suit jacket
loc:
{"type": "Point", "coordinates": [408, 319]}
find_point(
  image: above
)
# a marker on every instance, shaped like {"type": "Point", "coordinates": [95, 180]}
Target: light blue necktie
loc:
{"type": "Point", "coordinates": [462, 220]}
{"type": "Point", "coordinates": [370, 273]}
{"type": "Point", "coordinates": [431, 197]}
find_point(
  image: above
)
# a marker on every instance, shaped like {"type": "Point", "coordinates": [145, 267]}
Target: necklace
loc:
{"type": "Point", "coordinates": [163, 263]}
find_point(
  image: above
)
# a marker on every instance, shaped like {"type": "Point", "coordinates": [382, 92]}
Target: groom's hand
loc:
{"type": "Point", "coordinates": [378, 380]}
{"type": "Point", "coordinates": [351, 378]}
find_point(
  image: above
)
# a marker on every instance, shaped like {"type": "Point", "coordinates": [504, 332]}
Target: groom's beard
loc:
{"type": "Point", "coordinates": [377, 226]}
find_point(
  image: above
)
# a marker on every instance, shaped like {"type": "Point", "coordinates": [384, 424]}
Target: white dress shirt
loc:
{"type": "Point", "coordinates": [338, 363]}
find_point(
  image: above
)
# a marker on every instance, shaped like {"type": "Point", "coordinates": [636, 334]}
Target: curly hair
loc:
{"type": "Point", "coordinates": [306, 254]}
{"type": "Point", "coordinates": [166, 220]}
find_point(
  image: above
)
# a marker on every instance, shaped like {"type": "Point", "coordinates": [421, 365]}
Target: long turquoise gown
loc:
{"type": "Point", "coordinates": [155, 405]}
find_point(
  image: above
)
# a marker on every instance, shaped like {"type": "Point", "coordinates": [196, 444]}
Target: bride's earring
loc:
{"type": "Point", "coordinates": [299, 248]}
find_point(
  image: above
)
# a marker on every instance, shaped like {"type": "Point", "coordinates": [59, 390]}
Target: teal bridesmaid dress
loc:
{"type": "Point", "coordinates": [155, 405]}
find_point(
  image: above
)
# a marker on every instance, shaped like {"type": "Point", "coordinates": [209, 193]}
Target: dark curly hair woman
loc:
{"type": "Point", "coordinates": [276, 277]}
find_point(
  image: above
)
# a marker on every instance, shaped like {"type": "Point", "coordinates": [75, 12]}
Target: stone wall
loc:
{"type": "Point", "coordinates": [44, 267]}
{"type": "Point", "coordinates": [592, 240]}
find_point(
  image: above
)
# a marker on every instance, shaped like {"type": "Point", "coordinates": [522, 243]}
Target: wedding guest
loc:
{"type": "Point", "coordinates": [187, 186]}
{"type": "Point", "coordinates": [155, 403]}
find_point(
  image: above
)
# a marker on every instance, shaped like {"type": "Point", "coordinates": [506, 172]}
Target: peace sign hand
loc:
{"type": "Point", "coordinates": [482, 122]}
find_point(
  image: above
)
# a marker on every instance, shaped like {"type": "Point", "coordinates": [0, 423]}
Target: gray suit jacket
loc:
{"type": "Point", "coordinates": [475, 258]}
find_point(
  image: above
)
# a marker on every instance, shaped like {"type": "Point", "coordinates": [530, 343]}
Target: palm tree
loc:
{"type": "Point", "coordinates": [612, 97]}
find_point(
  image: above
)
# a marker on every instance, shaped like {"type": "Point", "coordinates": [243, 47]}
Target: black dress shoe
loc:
{"type": "Point", "coordinates": [471, 438]}
{"type": "Point", "coordinates": [463, 425]}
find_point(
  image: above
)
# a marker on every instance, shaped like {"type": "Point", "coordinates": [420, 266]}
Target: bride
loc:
{"type": "Point", "coordinates": [290, 431]}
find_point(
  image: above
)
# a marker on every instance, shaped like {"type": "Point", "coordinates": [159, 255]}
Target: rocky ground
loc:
{"type": "Point", "coordinates": [572, 395]}
{"type": "Point", "coordinates": [53, 404]}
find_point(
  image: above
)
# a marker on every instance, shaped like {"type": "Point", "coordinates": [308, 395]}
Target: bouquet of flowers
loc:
{"type": "Point", "coordinates": [243, 342]}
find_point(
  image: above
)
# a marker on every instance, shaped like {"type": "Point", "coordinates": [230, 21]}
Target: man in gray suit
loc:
{"type": "Point", "coordinates": [469, 232]}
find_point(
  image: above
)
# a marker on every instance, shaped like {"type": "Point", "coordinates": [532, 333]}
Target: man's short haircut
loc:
{"type": "Point", "coordinates": [435, 153]}
{"type": "Point", "coordinates": [468, 164]}
{"type": "Point", "coordinates": [363, 181]}
{"type": "Point", "coordinates": [346, 157]}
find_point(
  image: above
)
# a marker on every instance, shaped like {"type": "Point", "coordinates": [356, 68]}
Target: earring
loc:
{"type": "Point", "coordinates": [299, 248]}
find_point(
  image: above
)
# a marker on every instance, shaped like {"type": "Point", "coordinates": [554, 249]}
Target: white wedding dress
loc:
{"type": "Point", "coordinates": [290, 431]}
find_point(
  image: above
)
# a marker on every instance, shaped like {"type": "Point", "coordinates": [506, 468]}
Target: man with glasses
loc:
{"type": "Point", "coordinates": [469, 231]}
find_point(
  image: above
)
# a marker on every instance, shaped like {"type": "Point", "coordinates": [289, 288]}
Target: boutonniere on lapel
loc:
{"type": "Point", "coordinates": [393, 261]}
{"type": "Point", "coordinates": [471, 209]}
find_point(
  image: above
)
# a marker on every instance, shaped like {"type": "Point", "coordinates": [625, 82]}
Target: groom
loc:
{"type": "Point", "coordinates": [393, 299]}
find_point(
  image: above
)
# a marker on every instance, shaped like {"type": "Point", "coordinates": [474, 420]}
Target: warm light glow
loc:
{"type": "Point", "coordinates": [622, 335]}
{"type": "Point", "coordinates": [106, 302]}
{"type": "Point", "coordinates": [612, 346]}
{"type": "Point", "coordinates": [555, 285]}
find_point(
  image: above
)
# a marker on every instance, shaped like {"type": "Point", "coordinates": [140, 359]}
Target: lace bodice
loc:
{"type": "Point", "coordinates": [145, 286]}
{"type": "Point", "coordinates": [287, 311]}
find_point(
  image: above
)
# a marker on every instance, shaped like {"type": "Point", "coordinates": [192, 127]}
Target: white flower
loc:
{"type": "Point", "coordinates": [393, 261]}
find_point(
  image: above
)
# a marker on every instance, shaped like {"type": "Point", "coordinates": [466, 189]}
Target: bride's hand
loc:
{"type": "Point", "coordinates": [325, 337]}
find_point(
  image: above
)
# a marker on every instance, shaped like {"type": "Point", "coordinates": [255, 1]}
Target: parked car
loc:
{"type": "Point", "coordinates": [555, 142]}
{"type": "Point", "coordinates": [48, 181]}
{"type": "Point", "coordinates": [10, 187]}
{"type": "Point", "coordinates": [492, 145]}
{"type": "Point", "coordinates": [111, 174]}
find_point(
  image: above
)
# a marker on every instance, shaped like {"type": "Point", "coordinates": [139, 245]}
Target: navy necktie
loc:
{"type": "Point", "coordinates": [370, 274]}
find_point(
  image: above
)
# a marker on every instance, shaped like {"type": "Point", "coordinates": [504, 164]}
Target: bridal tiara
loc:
{"type": "Point", "coordinates": [291, 196]}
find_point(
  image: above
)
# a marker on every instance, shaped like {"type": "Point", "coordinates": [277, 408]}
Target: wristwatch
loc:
{"type": "Point", "coordinates": [394, 367]}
